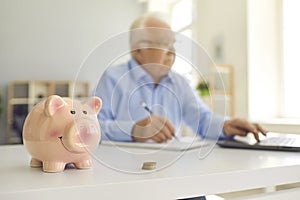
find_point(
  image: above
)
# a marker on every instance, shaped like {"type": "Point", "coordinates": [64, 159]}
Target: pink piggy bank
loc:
{"type": "Point", "coordinates": [59, 131]}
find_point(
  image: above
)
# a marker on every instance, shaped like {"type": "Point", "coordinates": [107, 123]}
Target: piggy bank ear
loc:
{"type": "Point", "coordinates": [53, 104]}
{"type": "Point", "coordinates": [95, 103]}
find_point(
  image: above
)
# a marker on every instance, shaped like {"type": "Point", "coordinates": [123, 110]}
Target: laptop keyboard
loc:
{"type": "Point", "coordinates": [279, 141]}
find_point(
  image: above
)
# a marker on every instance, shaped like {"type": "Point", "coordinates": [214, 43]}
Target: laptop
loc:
{"type": "Point", "coordinates": [273, 141]}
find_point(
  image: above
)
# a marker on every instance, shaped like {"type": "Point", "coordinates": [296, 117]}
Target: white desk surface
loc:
{"type": "Point", "coordinates": [179, 174]}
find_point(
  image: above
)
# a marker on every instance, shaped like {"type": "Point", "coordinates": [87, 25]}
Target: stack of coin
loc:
{"type": "Point", "coordinates": [149, 165]}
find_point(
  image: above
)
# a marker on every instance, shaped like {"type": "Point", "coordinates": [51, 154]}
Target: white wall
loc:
{"type": "Point", "coordinates": [225, 21]}
{"type": "Point", "coordinates": [49, 39]}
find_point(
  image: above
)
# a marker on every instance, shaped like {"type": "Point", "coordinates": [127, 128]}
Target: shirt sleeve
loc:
{"type": "Point", "coordinates": [200, 118]}
{"type": "Point", "coordinates": [111, 129]}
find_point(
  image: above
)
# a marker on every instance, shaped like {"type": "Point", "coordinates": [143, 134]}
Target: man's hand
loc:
{"type": "Point", "coordinates": [154, 127]}
{"type": "Point", "coordinates": [242, 127]}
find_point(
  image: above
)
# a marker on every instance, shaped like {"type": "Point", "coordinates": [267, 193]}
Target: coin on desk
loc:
{"type": "Point", "coordinates": [149, 165]}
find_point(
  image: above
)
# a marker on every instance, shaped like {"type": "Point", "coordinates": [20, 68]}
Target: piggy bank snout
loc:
{"type": "Point", "coordinates": [87, 133]}
{"type": "Point", "coordinates": [81, 136]}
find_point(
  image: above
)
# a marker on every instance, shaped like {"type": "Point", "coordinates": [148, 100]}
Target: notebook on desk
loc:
{"type": "Point", "coordinates": [273, 141]}
{"type": "Point", "coordinates": [185, 143]}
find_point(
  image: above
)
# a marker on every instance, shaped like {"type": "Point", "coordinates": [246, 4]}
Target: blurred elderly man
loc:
{"type": "Point", "coordinates": [147, 77]}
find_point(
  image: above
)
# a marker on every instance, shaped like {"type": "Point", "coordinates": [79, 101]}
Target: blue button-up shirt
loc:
{"type": "Point", "coordinates": [122, 88]}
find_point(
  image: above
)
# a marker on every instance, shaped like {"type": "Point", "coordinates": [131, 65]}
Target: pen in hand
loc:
{"type": "Point", "coordinates": [144, 105]}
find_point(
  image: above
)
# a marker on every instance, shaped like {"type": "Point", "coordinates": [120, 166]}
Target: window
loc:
{"type": "Point", "coordinates": [264, 60]}
{"type": "Point", "coordinates": [182, 15]}
{"type": "Point", "coordinates": [273, 71]}
{"type": "Point", "coordinates": [291, 63]}
{"type": "Point", "coordinates": [182, 23]}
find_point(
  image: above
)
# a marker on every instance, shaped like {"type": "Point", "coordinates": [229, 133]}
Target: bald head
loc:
{"type": "Point", "coordinates": [148, 27]}
{"type": "Point", "coordinates": [149, 21]}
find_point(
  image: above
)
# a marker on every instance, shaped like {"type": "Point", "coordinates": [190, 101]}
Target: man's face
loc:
{"type": "Point", "coordinates": [156, 52]}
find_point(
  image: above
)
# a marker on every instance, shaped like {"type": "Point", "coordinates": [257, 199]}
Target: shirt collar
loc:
{"type": "Point", "coordinates": [140, 74]}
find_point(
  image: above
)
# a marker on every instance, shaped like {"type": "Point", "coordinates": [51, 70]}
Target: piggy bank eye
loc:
{"type": "Point", "coordinates": [84, 112]}
{"type": "Point", "coordinates": [72, 112]}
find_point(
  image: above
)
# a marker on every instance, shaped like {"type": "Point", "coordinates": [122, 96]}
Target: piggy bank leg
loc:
{"type": "Point", "coordinates": [35, 163]}
{"type": "Point", "coordinates": [53, 166]}
{"type": "Point", "coordinates": [84, 164]}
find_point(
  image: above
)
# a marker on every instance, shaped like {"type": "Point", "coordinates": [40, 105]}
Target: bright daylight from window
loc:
{"type": "Point", "coordinates": [291, 44]}
{"type": "Point", "coordinates": [182, 19]}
